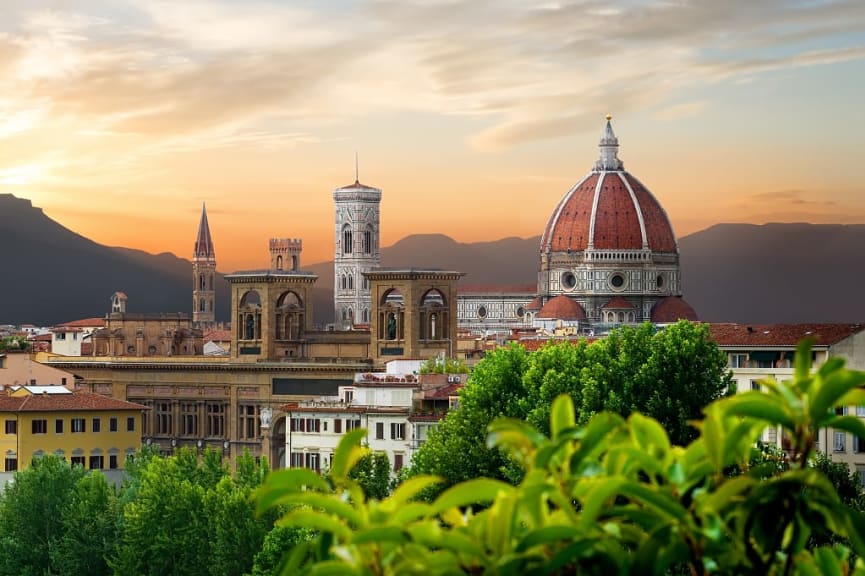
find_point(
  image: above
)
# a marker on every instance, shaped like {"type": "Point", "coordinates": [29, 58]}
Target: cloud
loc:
{"type": "Point", "coordinates": [791, 197]}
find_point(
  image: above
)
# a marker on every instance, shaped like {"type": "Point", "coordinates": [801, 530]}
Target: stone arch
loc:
{"type": "Point", "coordinates": [279, 262]}
{"type": "Point", "coordinates": [392, 315]}
{"type": "Point", "coordinates": [434, 313]}
{"type": "Point", "coordinates": [249, 316]}
{"type": "Point", "coordinates": [368, 236]}
{"type": "Point", "coordinates": [289, 315]}
{"type": "Point", "coordinates": [347, 239]}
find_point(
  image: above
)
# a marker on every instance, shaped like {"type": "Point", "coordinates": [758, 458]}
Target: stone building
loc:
{"type": "Point", "coordinates": [203, 276]}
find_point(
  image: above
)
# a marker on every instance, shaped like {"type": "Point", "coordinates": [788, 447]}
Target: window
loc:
{"type": "Point", "coordinates": [97, 425]}
{"type": "Point", "coordinates": [352, 424]}
{"type": "Point", "coordinates": [112, 424]}
{"type": "Point", "coordinates": [347, 241]}
{"type": "Point", "coordinates": [215, 419]}
{"type": "Point", "coordinates": [130, 423]}
{"type": "Point", "coordinates": [755, 385]}
{"type": "Point", "coordinates": [337, 426]}
{"type": "Point", "coordinates": [296, 460]}
{"type": "Point", "coordinates": [738, 360]}
{"type": "Point", "coordinates": [379, 430]}
{"type": "Point", "coordinates": [397, 462]}
{"type": "Point", "coordinates": [78, 426]}
{"type": "Point", "coordinates": [397, 431]}
{"type": "Point", "coordinates": [112, 461]}
{"type": "Point", "coordinates": [297, 424]}
{"type": "Point", "coordinates": [247, 426]}
{"type": "Point", "coordinates": [96, 462]}
{"type": "Point", "coordinates": [348, 396]}
{"type": "Point", "coordinates": [11, 463]}
{"type": "Point", "coordinates": [58, 426]}
{"type": "Point", "coordinates": [860, 411]}
{"type": "Point", "coordinates": [78, 461]}
{"type": "Point", "coordinates": [313, 425]}
{"type": "Point", "coordinates": [12, 426]}
{"type": "Point", "coordinates": [189, 419]}
{"type": "Point", "coordinates": [860, 471]}
{"type": "Point", "coordinates": [312, 461]}
{"type": "Point", "coordinates": [858, 444]}
{"type": "Point", "coordinates": [840, 438]}
{"type": "Point", "coordinates": [163, 418]}
{"type": "Point", "coordinates": [40, 426]}
{"type": "Point", "coordinates": [841, 410]}
{"type": "Point", "coordinates": [367, 242]}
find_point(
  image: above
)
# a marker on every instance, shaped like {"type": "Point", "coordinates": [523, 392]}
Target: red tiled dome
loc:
{"type": "Point", "coordinates": [562, 308]}
{"type": "Point", "coordinates": [617, 303]}
{"type": "Point", "coordinates": [535, 304]}
{"type": "Point", "coordinates": [672, 309]}
{"type": "Point", "coordinates": [608, 210]}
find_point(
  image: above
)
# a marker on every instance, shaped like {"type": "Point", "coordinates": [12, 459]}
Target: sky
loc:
{"type": "Point", "coordinates": [121, 118]}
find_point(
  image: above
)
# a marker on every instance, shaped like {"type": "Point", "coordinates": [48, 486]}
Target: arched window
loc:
{"type": "Point", "coordinates": [201, 281]}
{"type": "Point", "coordinates": [343, 282]}
{"type": "Point", "coordinates": [365, 315]}
{"type": "Point", "coordinates": [201, 305]}
{"type": "Point", "coordinates": [279, 262]}
{"type": "Point", "coordinates": [347, 240]}
{"type": "Point", "coordinates": [350, 282]}
{"type": "Point", "coordinates": [367, 241]}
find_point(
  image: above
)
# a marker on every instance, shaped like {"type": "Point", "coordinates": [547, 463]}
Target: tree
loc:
{"type": "Point", "coordinates": [669, 374]}
{"type": "Point", "coordinates": [444, 366]}
{"type": "Point", "coordinates": [31, 515]}
{"type": "Point", "coordinates": [372, 472]}
{"type": "Point", "coordinates": [90, 528]}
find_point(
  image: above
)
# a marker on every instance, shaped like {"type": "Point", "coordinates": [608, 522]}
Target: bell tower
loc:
{"type": "Point", "coordinates": [203, 276]}
{"type": "Point", "coordinates": [356, 252]}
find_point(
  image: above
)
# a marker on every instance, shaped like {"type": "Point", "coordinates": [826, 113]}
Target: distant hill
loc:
{"type": "Point", "coordinates": [54, 275]}
{"type": "Point", "coordinates": [731, 272]}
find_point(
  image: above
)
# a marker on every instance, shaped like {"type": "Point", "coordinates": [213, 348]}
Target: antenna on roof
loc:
{"type": "Point", "coordinates": [356, 172]}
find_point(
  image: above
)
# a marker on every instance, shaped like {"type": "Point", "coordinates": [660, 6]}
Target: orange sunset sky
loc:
{"type": "Point", "coordinates": [474, 117]}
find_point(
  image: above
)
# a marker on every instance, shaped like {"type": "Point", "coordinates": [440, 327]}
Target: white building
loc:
{"type": "Point", "coordinates": [68, 338]}
{"type": "Point", "coordinates": [759, 351]}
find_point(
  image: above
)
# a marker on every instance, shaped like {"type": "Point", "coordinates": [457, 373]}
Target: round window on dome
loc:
{"type": "Point", "coordinates": [617, 281]}
{"type": "Point", "coordinates": [520, 311]}
{"type": "Point", "coordinates": [660, 281]}
{"type": "Point", "coordinates": [482, 312]}
{"type": "Point", "coordinates": [569, 280]}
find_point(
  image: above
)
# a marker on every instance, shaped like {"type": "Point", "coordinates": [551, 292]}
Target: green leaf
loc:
{"type": "Point", "coordinates": [852, 424]}
{"type": "Point", "coordinates": [835, 385]}
{"type": "Point", "coordinates": [649, 436]}
{"type": "Point", "coordinates": [378, 535]}
{"type": "Point", "coordinates": [548, 535]}
{"type": "Point", "coordinates": [470, 492]}
{"type": "Point", "coordinates": [332, 568]}
{"type": "Point", "coordinates": [561, 415]}
{"type": "Point", "coordinates": [281, 483]}
{"type": "Point", "coordinates": [330, 503]}
{"type": "Point", "coordinates": [347, 453]}
{"type": "Point", "coordinates": [659, 500]}
{"type": "Point", "coordinates": [802, 360]}
{"type": "Point", "coordinates": [315, 520]}
{"type": "Point", "coordinates": [409, 489]}
{"type": "Point", "coordinates": [759, 406]}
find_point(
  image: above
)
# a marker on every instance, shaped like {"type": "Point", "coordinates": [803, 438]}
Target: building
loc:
{"type": "Point", "coordinates": [203, 276]}
{"type": "Point", "coordinates": [608, 246]}
{"type": "Point", "coordinates": [89, 430]}
{"type": "Point", "coordinates": [74, 338]}
{"type": "Point", "coordinates": [21, 369]}
{"type": "Point", "coordinates": [356, 252]}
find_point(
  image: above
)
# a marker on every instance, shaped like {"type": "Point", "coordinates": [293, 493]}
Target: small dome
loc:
{"type": "Point", "coordinates": [617, 303]}
{"type": "Point", "coordinates": [672, 309]}
{"type": "Point", "coordinates": [562, 308]}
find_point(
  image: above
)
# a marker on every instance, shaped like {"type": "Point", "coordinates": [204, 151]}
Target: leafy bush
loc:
{"type": "Point", "coordinates": [611, 497]}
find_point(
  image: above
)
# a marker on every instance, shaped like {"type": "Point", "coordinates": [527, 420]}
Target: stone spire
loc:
{"type": "Point", "coordinates": [609, 146]}
{"type": "Point", "coordinates": [204, 243]}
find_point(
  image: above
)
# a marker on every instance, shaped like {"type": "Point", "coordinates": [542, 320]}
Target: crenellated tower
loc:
{"type": "Point", "coordinates": [203, 276]}
{"type": "Point", "coordinates": [285, 254]}
{"type": "Point", "coordinates": [356, 252]}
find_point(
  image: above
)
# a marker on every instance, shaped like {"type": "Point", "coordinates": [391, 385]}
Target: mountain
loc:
{"type": "Point", "coordinates": [54, 275]}
{"type": "Point", "coordinates": [731, 272]}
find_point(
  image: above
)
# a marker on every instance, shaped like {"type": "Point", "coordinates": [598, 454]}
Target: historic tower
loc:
{"type": "Point", "coordinates": [203, 275]}
{"type": "Point", "coordinates": [356, 251]}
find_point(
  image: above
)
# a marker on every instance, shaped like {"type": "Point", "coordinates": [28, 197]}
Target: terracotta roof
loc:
{"type": "Point", "coordinates": [781, 334]}
{"type": "Point", "coordinates": [79, 400]}
{"type": "Point", "coordinates": [617, 303]}
{"type": "Point", "coordinates": [217, 335]}
{"type": "Point", "coordinates": [83, 323]}
{"type": "Point", "coordinates": [497, 289]}
{"type": "Point", "coordinates": [562, 308]}
{"type": "Point", "coordinates": [672, 309]}
{"type": "Point", "coordinates": [444, 391]}
{"type": "Point", "coordinates": [356, 185]}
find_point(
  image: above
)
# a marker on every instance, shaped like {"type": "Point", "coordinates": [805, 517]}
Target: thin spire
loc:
{"type": "Point", "coordinates": [356, 171]}
{"type": "Point", "coordinates": [609, 146]}
{"type": "Point", "coordinates": [203, 242]}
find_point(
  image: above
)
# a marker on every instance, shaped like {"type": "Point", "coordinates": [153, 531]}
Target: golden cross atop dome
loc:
{"type": "Point", "coordinates": [609, 117]}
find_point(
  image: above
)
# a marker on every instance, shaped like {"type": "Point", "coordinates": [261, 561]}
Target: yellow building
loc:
{"type": "Point", "coordinates": [90, 430]}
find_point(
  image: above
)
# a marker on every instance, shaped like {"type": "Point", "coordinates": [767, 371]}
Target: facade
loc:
{"type": "Point", "coordinates": [356, 252]}
{"type": "Point", "coordinates": [88, 429]}
{"type": "Point", "coordinates": [147, 334]}
{"type": "Point", "coordinates": [21, 369]}
{"type": "Point", "coordinates": [203, 276]}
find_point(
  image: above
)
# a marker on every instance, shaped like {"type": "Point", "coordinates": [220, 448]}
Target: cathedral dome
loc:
{"type": "Point", "coordinates": [562, 308]}
{"type": "Point", "coordinates": [609, 209]}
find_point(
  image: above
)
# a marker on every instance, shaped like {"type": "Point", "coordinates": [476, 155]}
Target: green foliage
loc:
{"type": "Point", "coordinates": [31, 515]}
{"type": "Point", "coordinates": [14, 343]}
{"type": "Point", "coordinates": [372, 472]}
{"type": "Point", "coordinates": [612, 496]}
{"type": "Point", "coordinates": [669, 374]}
{"type": "Point", "coordinates": [444, 366]}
